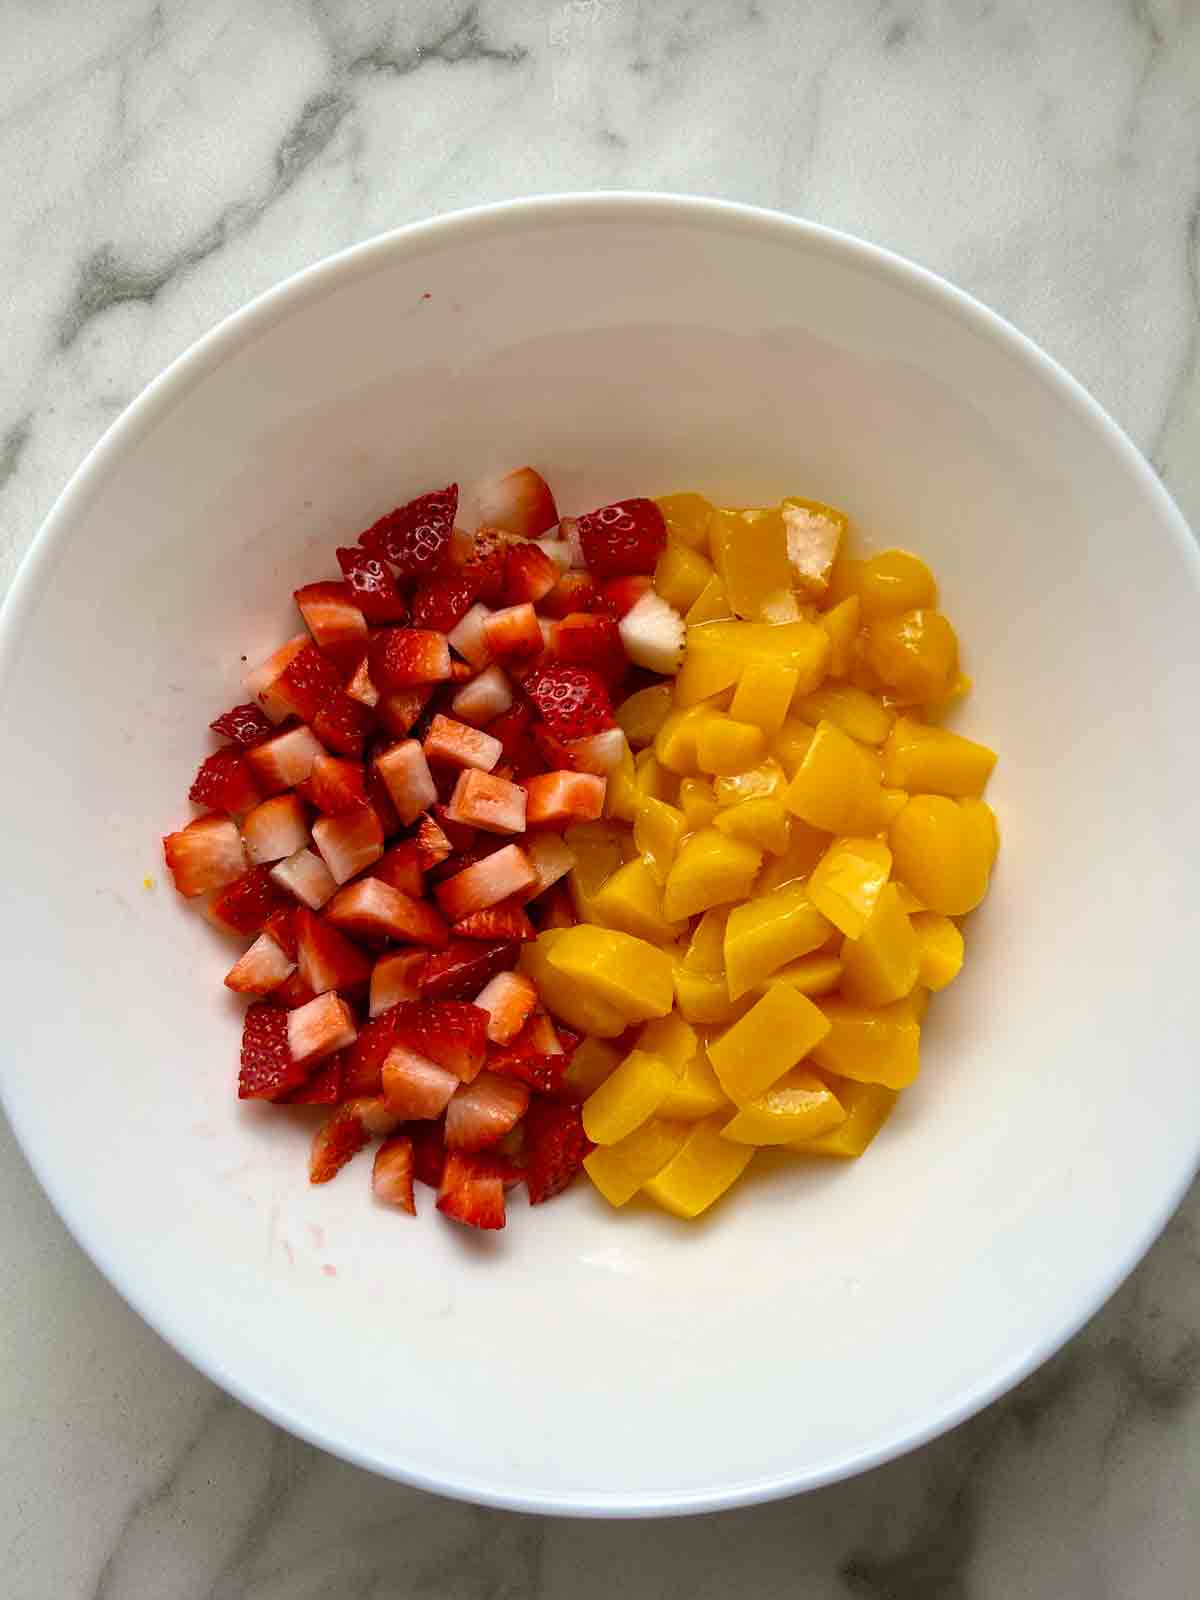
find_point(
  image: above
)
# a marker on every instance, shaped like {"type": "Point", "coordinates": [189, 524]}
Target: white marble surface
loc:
{"type": "Point", "coordinates": [161, 163]}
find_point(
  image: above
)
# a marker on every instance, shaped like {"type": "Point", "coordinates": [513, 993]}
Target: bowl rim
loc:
{"type": "Point", "coordinates": [169, 388]}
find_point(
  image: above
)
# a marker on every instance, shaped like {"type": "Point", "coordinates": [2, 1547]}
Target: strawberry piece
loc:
{"type": "Point", "coordinates": [392, 1174]}
{"type": "Point", "coordinates": [555, 1147]}
{"type": "Point", "coordinates": [415, 1088]}
{"type": "Point", "coordinates": [592, 640]}
{"type": "Point", "coordinates": [245, 905]}
{"type": "Point", "coordinates": [380, 801]}
{"type": "Point", "coordinates": [337, 625]}
{"type": "Point", "coordinates": [620, 595]}
{"type": "Point", "coordinates": [555, 910]}
{"type": "Point", "coordinates": [556, 799]}
{"type": "Point", "coordinates": [481, 1113]}
{"type": "Point", "coordinates": [245, 725]}
{"type": "Point", "coordinates": [344, 1135]}
{"type": "Point", "coordinates": [334, 786]}
{"type": "Point", "coordinates": [504, 921]}
{"type": "Point", "coordinates": [461, 746]}
{"type": "Point", "coordinates": [292, 992]}
{"type": "Point", "coordinates": [363, 1062]}
{"type": "Point", "coordinates": [409, 782]}
{"type": "Point", "coordinates": [225, 783]}
{"type": "Point", "coordinates": [326, 958]}
{"type": "Point", "coordinates": [433, 845]}
{"type": "Point", "coordinates": [414, 537]}
{"type": "Point", "coordinates": [396, 978]}
{"type": "Point", "coordinates": [429, 1152]}
{"type": "Point", "coordinates": [471, 1191]}
{"type": "Point", "coordinates": [529, 573]}
{"type": "Point", "coordinates": [518, 502]}
{"type": "Point", "coordinates": [623, 538]}
{"type": "Point", "coordinates": [461, 836]}
{"type": "Point", "coordinates": [372, 586]}
{"type": "Point", "coordinates": [482, 800]}
{"type": "Point", "coordinates": [262, 680]}
{"type": "Point", "coordinates": [281, 926]}
{"type": "Point", "coordinates": [306, 877]}
{"type": "Point", "coordinates": [361, 686]}
{"type": "Point", "coordinates": [285, 759]}
{"type": "Point", "coordinates": [513, 634]}
{"type": "Point", "coordinates": [322, 1088]}
{"type": "Point", "coordinates": [306, 682]}
{"type": "Point", "coordinates": [267, 1067]}
{"type": "Point", "coordinates": [442, 603]}
{"type": "Point", "coordinates": [205, 855]}
{"type": "Point", "coordinates": [506, 872]}
{"type": "Point", "coordinates": [469, 637]}
{"type": "Point", "coordinates": [348, 843]}
{"type": "Point", "coordinates": [401, 868]}
{"type": "Point", "coordinates": [511, 727]}
{"type": "Point", "coordinates": [600, 753]}
{"type": "Point", "coordinates": [275, 829]}
{"type": "Point", "coordinates": [573, 701]}
{"type": "Point", "coordinates": [449, 1033]}
{"type": "Point", "coordinates": [487, 563]}
{"type": "Point", "coordinates": [402, 657]}
{"type": "Point", "coordinates": [400, 712]}
{"type": "Point", "coordinates": [483, 697]}
{"type": "Point", "coordinates": [574, 593]}
{"type": "Point", "coordinates": [535, 1057]}
{"type": "Point", "coordinates": [460, 671]}
{"type": "Point", "coordinates": [319, 1028]}
{"type": "Point", "coordinates": [375, 912]}
{"type": "Point", "coordinates": [464, 966]}
{"type": "Point", "coordinates": [551, 858]}
{"type": "Point", "coordinates": [508, 999]}
{"type": "Point", "coordinates": [261, 968]}
{"type": "Point", "coordinates": [343, 724]}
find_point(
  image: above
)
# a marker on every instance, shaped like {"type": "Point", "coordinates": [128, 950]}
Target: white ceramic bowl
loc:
{"type": "Point", "coordinates": [821, 1320]}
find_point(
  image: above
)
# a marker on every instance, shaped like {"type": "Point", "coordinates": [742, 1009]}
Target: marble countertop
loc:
{"type": "Point", "coordinates": [161, 163]}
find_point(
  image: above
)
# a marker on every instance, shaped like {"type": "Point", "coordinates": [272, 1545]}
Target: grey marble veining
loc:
{"type": "Point", "coordinates": [160, 164]}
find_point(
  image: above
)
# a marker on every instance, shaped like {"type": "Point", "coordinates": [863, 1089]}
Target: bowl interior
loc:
{"type": "Point", "coordinates": [821, 1318]}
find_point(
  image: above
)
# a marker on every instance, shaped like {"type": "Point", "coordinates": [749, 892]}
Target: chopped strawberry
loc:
{"type": "Point", "coordinates": [529, 574]}
{"type": "Point", "coordinates": [262, 680]}
{"type": "Point", "coordinates": [225, 783]}
{"type": "Point", "coordinates": [518, 502]}
{"type": "Point", "coordinates": [348, 843]}
{"type": "Point", "coordinates": [245, 725]}
{"type": "Point", "coordinates": [381, 802]}
{"type": "Point", "coordinates": [375, 912]}
{"type": "Point", "coordinates": [433, 846]}
{"type": "Point", "coordinates": [281, 926]}
{"type": "Point", "coordinates": [460, 671]}
{"type": "Point", "coordinates": [448, 1032]}
{"type": "Point", "coordinates": [464, 966]}
{"type": "Point", "coordinates": [626, 537]}
{"type": "Point", "coordinates": [513, 634]}
{"type": "Point", "coordinates": [285, 759]}
{"type": "Point", "coordinates": [429, 1152]}
{"type": "Point", "coordinates": [305, 683]}
{"type": "Point", "coordinates": [442, 603]}
{"type": "Point", "coordinates": [554, 909]}
{"type": "Point", "coordinates": [409, 781]}
{"type": "Point", "coordinates": [511, 727]}
{"type": "Point", "coordinates": [461, 746]}
{"type": "Point", "coordinates": [401, 657]}
{"type": "Point", "coordinates": [316, 1030]}
{"type": "Point", "coordinates": [275, 829]}
{"type": "Point", "coordinates": [400, 712]}
{"type": "Point", "coordinates": [485, 884]}
{"type": "Point", "coordinates": [415, 1088]}
{"type": "Point", "coordinates": [469, 637]}
{"type": "Point", "coordinates": [573, 701]}
{"type": "Point", "coordinates": [326, 958]}
{"type": "Point", "coordinates": [372, 586]}
{"type": "Point", "coordinates": [620, 595]}
{"type": "Point", "coordinates": [482, 800]}
{"type": "Point", "coordinates": [460, 836]}
{"type": "Point", "coordinates": [205, 855]}
{"type": "Point", "coordinates": [261, 968]}
{"type": "Point", "coordinates": [414, 537]}
{"type": "Point", "coordinates": [481, 1113]}
{"type": "Point", "coordinates": [337, 624]}
{"type": "Point", "coordinates": [305, 876]}
{"type": "Point", "coordinates": [556, 799]}
{"type": "Point", "coordinates": [503, 921]}
{"type": "Point", "coordinates": [590, 639]}
{"type": "Point", "coordinates": [573, 594]}
{"type": "Point", "coordinates": [401, 867]}
{"type": "Point", "coordinates": [487, 562]}
{"type": "Point", "coordinates": [245, 905]}
{"type": "Point", "coordinates": [508, 999]}
{"type": "Point", "coordinates": [363, 1062]}
{"type": "Point", "coordinates": [534, 1057]}
{"type": "Point", "coordinates": [392, 1174]}
{"type": "Point", "coordinates": [344, 1135]}
{"type": "Point", "coordinates": [361, 686]}
{"type": "Point", "coordinates": [483, 697]}
{"type": "Point", "coordinates": [551, 858]}
{"type": "Point", "coordinates": [334, 786]}
{"type": "Point", "coordinates": [267, 1069]}
{"type": "Point", "coordinates": [292, 992]}
{"type": "Point", "coordinates": [322, 1088]}
{"type": "Point", "coordinates": [395, 978]}
{"type": "Point", "coordinates": [471, 1191]}
{"type": "Point", "coordinates": [555, 1147]}
{"type": "Point", "coordinates": [343, 724]}
{"type": "Point", "coordinates": [599, 753]}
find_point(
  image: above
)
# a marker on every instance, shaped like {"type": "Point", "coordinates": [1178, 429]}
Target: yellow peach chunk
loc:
{"type": "Point", "coordinates": [764, 823]}
{"type": "Point", "coordinates": [841, 624]}
{"type": "Point", "coordinates": [696, 1092]}
{"type": "Point", "coordinates": [777, 1032]}
{"type": "Point", "coordinates": [563, 998]}
{"type": "Point", "coordinates": [929, 760]}
{"type": "Point", "coordinates": [847, 881]}
{"type": "Point", "coordinates": [819, 973]}
{"type": "Point", "coordinates": [837, 786]}
{"type": "Point", "coordinates": [882, 963]}
{"type": "Point", "coordinates": [619, 1170]}
{"type": "Point", "coordinates": [915, 654]}
{"type": "Point", "coordinates": [763, 695]}
{"type": "Point", "coordinates": [702, 1169]}
{"type": "Point", "coordinates": [706, 950]}
{"type": "Point", "coordinates": [627, 1097]}
{"type": "Point", "coordinates": [682, 574]}
{"type": "Point", "coordinates": [853, 710]}
{"type": "Point", "coordinates": [709, 870]}
{"type": "Point", "coordinates": [641, 715]}
{"type": "Point", "coordinates": [725, 746]}
{"type": "Point", "coordinates": [872, 1044]}
{"type": "Point", "coordinates": [766, 932]}
{"type": "Point", "coordinates": [657, 830]}
{"type": "Point", "coordinates": [631, 901]}
{"type": "Point", "coordinates": [943, 850]}
{"type": "Point", "coordinates": [805, 848]}
{"type": "Point", "coordinates": [712, 604]}
{"type": "Point", "coordinates": [686, 517]}
{"type": "Point", "coordinates": [591, 1063]}
{"type": "Point", "coordinates": [867, 1107]}
{"type": "Point", "coordinates": [629, 974]}
{"type": "Point", "coordinates": [703, 997]}
{"type": "Point", "coordinates": [697, 802]}
{"type": "Point", "coordinates": [800, 1105]}
{"type": "Point", "coordinates": [767, 781]}
{"type": "Point", "coordinates": [941, 945]}
{"type": "Point", "coordinates": [749, 551]}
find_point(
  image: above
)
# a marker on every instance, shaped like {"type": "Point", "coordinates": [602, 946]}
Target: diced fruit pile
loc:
{"type": "Point", "coordinates": [385, 822]}
{"type": "Point", "coordinates": [490, 935]}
